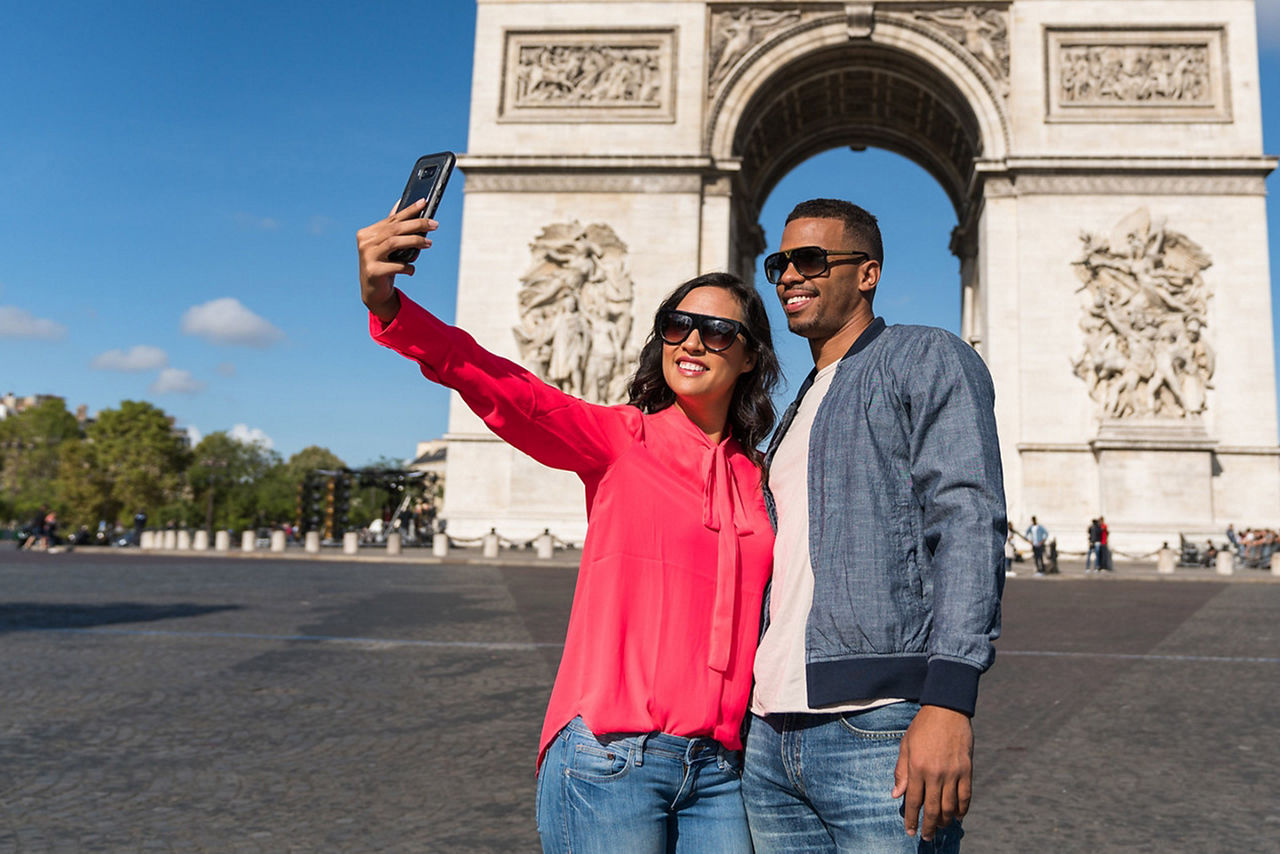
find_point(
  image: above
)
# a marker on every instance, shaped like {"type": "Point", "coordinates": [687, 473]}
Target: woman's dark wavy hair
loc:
{"type": "Point", "coordinates": [751, 412]}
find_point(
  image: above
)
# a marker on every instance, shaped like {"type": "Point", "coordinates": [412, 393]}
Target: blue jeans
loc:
{"type": "Point", "coordinates": [817, 783]}
{"type": "Point", "coordinates": [650, 793]}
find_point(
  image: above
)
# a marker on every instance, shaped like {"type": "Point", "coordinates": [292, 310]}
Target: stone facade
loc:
{"type": "Point", "coordinates": [1104, 158]}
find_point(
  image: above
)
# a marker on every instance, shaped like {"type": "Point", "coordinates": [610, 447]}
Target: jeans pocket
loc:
{"type": "Point", "coordinates": [882, 722]}
{"type": "Point", "coordinates": [599, 763]}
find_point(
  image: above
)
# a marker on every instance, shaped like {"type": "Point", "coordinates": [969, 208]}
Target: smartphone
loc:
{"type": "Point", "coordinates": [427, 181]}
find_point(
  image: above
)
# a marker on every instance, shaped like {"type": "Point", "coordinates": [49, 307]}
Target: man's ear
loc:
{"type": "Point", "coordinates": [869, 276]}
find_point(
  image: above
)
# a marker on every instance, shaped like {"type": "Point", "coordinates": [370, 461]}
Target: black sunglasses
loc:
{"type": "Point", "coordinates": [809, 261]}
{"type": "Point", "coordinates": [717, 333]}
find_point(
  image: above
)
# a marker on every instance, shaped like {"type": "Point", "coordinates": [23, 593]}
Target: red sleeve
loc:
{"type": "Point", "coordinates": [555, 428]}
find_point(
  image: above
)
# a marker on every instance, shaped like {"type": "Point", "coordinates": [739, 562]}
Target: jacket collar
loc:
{"type": "Point", "coordinates": [871, 333]}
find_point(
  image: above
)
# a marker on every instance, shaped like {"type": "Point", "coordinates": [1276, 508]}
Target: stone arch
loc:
{"type": "Point", "coordinates": [1048, 125]}
{"type": "Point", "coordinates": [931, 101]}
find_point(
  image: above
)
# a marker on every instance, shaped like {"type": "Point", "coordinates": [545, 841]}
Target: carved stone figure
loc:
{"type": "Point", "coordinates": [984, 32]}
{"type": "Point", "coordinates": [1144, 318]}
{"type": "Point", "coordinates": [576, 311]}
{"type": "Point", "coordinates": [588, 75]}
{"type": "Point", "coordinates": [735, 31]}
{"type": "Point", "coordinates": [1134, 74]}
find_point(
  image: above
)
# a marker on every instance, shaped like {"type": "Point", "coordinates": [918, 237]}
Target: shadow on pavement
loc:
{"type": "Point", "coordinates": [34, 616]}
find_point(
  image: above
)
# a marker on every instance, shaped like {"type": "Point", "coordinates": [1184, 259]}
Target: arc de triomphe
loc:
{"type": "Point", "coordinates": [1104, 158]}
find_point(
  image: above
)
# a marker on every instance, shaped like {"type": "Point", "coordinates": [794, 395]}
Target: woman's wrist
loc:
{"type": "Point", "coordinates": [385, 310]}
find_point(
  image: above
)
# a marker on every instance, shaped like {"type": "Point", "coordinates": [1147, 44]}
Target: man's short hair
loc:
{"type": "Point", "coordinates": [860, 225]}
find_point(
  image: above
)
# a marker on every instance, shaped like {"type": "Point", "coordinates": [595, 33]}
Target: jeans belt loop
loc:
{"type": "Point", "coordinates": [640, 740]}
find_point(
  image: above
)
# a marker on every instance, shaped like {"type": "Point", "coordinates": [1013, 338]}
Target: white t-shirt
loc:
{"type": "Point", "coordinates": [779, 669]}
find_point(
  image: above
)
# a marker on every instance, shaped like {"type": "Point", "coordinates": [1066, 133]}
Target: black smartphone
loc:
{"type": "Point", "coordinates": [427, 181]}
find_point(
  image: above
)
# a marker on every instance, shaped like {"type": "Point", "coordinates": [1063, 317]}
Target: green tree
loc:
{"type": "Point", "coordinates": [229, 480]}
{"type": "Point", "coordinates": [142, 457]}
{"type": "Point", "coordinates": [83, 487]}
{"type": "Point", "coordinates": [29, 455]}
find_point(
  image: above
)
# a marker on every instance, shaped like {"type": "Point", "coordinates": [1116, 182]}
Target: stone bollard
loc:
{"type": "Point", "coordinates": [311, 543]}
{"type": "Point", "coordinates": [350, 543]}
{"type": "Point", "coordinates": [1226, 563]}
{"type": "Point", "coordinates": [490, 544]}
{"type": "Point", "coordinates": [147, 541]}
{"type": "Point", "coordinates": [545, 545]}
{"type": "Point", "coordinates": [222, 541]}
{"type": "Point", "coordinates": [184, 540]}
{"type": "Point", "coordinates": [1275, 563]}
{"type": "Point", "coordinates": [200, 542]}
{"type": "Point", "coordinates": [248, 541]}
{"type": "Point", "coordinates": [1166, 560]}
{"type": "Point", "coordinates": [277, 541]}
{"type": "Point", "coordinates": [394, 542]}
{"type": "Point", "coordinates": [170, 539]}
{"type": "Point", "coordinates": [440, 545]}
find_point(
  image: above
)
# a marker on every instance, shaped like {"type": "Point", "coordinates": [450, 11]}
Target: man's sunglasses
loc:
{"type": "Point", "coordinates": [809, 261]}
{"type": "Point", "coordinates": [717, 333]}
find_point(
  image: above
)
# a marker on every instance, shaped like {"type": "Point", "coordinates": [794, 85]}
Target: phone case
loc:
{"type": "Point", "coordinates": [427, 181]}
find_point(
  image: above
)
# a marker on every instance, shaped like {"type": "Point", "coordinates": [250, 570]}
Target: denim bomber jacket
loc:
{"type": "Point", "coordinates": [906, 522]}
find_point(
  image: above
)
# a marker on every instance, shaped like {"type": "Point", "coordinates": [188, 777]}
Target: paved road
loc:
{"type": "Point", "coordinates": [154, 703]}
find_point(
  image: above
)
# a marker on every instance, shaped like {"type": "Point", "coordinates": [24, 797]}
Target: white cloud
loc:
{"type": "Point", "coordinates": [17, 323]}
{"type": "Point", "coordinates": [251, 436]}
{"type": "Point", "coordinates": [319, 225]}
{"type": "Point", "coordinates": [226, 369]}
{"type": "Point", "coordinates": [136, 359]}
{"type": "Point", "coordinates": [227, 321]}
{"type": "Point", "coordinates": [175, 381]}
{"type": "Point", "coordinates": [194, 435]}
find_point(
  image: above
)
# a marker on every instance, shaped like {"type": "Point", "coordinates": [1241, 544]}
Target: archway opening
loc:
{"type": "Point", "coordinates": [884, 129]}
{"type": "Point", "coordinates": [921, 282]}
{"type": "Point", "coordinates": [858, 95]}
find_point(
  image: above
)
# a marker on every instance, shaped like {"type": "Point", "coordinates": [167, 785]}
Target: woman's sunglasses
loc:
{"type": "Point", "coordinates": [809, 261]}
{"type": "Point", "coordinates": [717, 333]}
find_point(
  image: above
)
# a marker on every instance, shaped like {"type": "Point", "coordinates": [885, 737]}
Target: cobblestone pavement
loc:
{"type": "Point", "coordinates": [172, 703]}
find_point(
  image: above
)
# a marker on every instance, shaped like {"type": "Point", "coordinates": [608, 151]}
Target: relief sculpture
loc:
{"type": "Point", "coordinates": [576, 312]}
{"type": "Point", "coordinates": [1144, 323]}
{"type": "Point", "coordinates": [735, 31]}
{"type": "Point", "coordinates": [983, 32]}
{"type": "Point", "coordinates": [588, 75]}
{"type": "Point", "coordinates": [1134, 74]}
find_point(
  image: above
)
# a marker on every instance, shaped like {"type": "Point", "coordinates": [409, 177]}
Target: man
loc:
{"type": "Point", "coordinates": [1037, 535]}
{"type": "Point", "coordinates": [1093, 557]}
{"type": "Point", "coordinates": [886, 492]}
{"type": "Point", "coordinates": [1233, 539]}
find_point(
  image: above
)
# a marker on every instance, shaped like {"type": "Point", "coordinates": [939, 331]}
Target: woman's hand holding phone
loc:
{"type": "Point", "coordinates": [403, 229]}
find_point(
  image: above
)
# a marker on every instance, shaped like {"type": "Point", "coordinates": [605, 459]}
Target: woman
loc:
{"type": "Point", "coordinates": [640, 747]}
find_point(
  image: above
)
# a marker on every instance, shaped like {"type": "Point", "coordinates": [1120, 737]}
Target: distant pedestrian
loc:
{"type": "Point", "coordinates": [1104, 550]}
{"type": "Point", "coordinates": [1092, 560]}
{"type": "Point", "coordinates": [1210, 554]}
{"type": "Point", "coordinates": [1234, 539]}
{"type": "Point", "coordinates": [1037, 535]}
{"type": "Point", "coordinates": [1010, 552]}
{"type": "Point", "coordinates": [35, 530]}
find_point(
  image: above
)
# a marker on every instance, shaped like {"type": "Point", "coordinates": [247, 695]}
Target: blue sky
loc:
{"type": "Point", "coordinates": [182, 184]}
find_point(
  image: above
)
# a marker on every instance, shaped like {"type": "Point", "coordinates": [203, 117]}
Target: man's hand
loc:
{"type": "Point", "coordinates": [403, 230]}
{"type": "Point", "coordinates": [935, 769]}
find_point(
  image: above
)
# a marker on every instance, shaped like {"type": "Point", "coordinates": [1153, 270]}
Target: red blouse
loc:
{"type": "Point", "coordinates": [666, 612]}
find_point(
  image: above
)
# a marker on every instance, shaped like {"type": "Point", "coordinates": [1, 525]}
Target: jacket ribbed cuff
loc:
{"type": "Point", "coordinates": [951, 685]}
